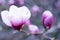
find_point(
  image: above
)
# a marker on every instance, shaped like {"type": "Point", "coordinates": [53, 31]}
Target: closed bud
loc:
{"type": "Point", "coordinates": [47, 19]}
{"type": "Point", "coordinates": [33, 29]}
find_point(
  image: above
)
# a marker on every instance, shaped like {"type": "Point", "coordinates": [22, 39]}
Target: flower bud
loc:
{"type": "Point", "coordinates": [33, 29]}
{"type": "Point", "coordinates": [47, 19]}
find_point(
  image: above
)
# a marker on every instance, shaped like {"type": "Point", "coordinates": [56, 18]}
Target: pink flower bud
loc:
{"type": "Point", "coordinates": [33, 29]}
{"type": "Point", "coordinates": [47, 19]}
{"type": "Point", "coordinates": [16, 17]}
{"type": "Point", "coordinates": [11, 2]}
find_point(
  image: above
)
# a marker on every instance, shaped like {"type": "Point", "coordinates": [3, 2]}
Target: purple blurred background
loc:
{"type": "Point", "coordinates": [37, 7]}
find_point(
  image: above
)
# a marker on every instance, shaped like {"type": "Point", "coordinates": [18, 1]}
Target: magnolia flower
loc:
{"type": "Point", "coordinates": [47, 19]}
{"type": "Point", "coordinates": [33, 29]}
{"type": "Point", "coordinates": [16, 16]}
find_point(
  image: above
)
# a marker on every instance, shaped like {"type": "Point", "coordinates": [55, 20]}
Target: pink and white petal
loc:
{"type": "Point", "coordinates": [33, 29]}
{"type": "Point", "coordinates": [16, 15]}
{"type": "Point", "coordinates": [47, 13]}
{"type": "Point", "coordinates": [16, 18]}
{"type": "Point", "coordinates": [5, 17]}
{"type": "Point", "coordinates": [28, 22]}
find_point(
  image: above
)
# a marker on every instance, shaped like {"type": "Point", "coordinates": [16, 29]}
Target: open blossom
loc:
{"type": "Point", "coordinates": [33, 29]}
{"type": "Point", "coordinates": [47, 19]}
{"type": "Point", "coordinates": [16, 16]}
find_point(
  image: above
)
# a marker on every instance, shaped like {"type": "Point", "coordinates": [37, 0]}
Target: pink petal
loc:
{"type": "Point", "coordinates": [48, 22]}
{"type": "Point", "coordinates": [28, 22]}
{"type": "Point", "coordinates": [33, 29]}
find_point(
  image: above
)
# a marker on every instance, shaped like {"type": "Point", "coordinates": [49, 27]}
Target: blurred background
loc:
{"type": "Point", "coordinates": [37, 7]}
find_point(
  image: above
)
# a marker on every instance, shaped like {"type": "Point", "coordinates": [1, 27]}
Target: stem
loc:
{"type": "Point", "coordinates": [25, 32]}
{"type": "Point", "coordinates": [43, 34]}
{"type": "Point", "coordinates": [39, 36]}
{"type": "Point", "coordinates": [46, 29]}
{"type": "Point", "coordinates": [42, 37]}
{"type": "Point", "coordinates": [56, 35]}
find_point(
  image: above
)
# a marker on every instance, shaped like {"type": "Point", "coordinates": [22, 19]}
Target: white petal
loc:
{"type": "Point", "coordinates": [13, 9]}
{"type": "Point", "coordinates": [5, 17]}
{"type": "Point", "coordinates": [25, 12]}
{"type": "Point", "coordinates": [16, 17]}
